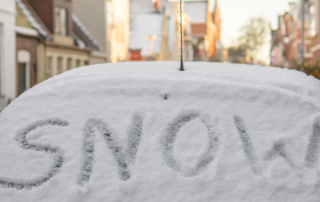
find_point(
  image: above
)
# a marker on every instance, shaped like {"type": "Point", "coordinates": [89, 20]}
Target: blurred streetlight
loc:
{"type": "Point", "coordinates": [286, 40]}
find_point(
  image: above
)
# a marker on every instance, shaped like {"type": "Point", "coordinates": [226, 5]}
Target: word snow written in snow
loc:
{"type": "Point", "coordinates": [125, 157]}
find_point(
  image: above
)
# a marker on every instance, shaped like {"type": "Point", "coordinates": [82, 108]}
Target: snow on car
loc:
{"type": "Point", "coordinates": [149, 132]}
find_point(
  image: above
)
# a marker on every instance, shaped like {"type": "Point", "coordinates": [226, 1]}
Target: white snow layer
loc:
{"type": "Point", "coordinates": [134, 132]}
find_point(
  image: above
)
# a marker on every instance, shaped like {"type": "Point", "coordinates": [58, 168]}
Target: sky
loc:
{"type": "Point", "coordinates": [235, 13]}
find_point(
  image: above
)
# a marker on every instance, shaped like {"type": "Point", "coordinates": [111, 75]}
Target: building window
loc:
{"type": "Point", "coordinates": [23, 70]}
{"type": "Point", "coordinates": [49, 67]}
{"type": "Point", "coordinates": [78, 63]}
{"type": "Point", "coordinates": [69, 64]}
{"type": "Point", "coordinates": [86, 63]}
{"type": "Point", "coordinates": [61, 21]}
{"type": "Point", "coordinates": [59, 67]}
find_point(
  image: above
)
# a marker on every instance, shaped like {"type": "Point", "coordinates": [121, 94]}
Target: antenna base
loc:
{"type": "Point", "coordinates": [181, 65]}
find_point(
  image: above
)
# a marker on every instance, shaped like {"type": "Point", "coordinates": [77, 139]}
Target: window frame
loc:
{"type": "Point", "coordinates": [58, 21]}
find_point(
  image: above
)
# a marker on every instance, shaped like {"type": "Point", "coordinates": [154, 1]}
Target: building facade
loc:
{"type": "Point", "coordinates": [282, 43]}
{"type": "Point", "coordinates": [30, 34]}
{"type": "Point", "coordinates": [7, 52]}
{"type": "Point", "coordinates": [286, 43]}
{"type": "Point", "coordinates": [296, 36]}
{"type": "Point", "coordinates": [188, 40]}
{"type": "Point", "coordinates": [108, 24]}
{"type": "Point", "coordinates": [155, 31]}
{"type": "Point", "coordinates": [206, 28]}
{"type": "Point", "coordinates": [66, 49]}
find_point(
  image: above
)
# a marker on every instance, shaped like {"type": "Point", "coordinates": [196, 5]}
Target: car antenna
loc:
{"type": "Point", "coordinates": [181, 62]}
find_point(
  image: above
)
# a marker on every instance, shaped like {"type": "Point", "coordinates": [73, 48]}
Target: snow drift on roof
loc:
{"type": "Point", "coordinates": [26, 31]}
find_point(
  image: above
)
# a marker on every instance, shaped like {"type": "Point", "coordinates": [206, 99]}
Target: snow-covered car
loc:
{"type": "Point", "coordinates": [149, 132]}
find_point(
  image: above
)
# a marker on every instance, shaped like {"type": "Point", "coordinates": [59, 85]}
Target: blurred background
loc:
{"type": "Point", "coordinates": [42, 38]}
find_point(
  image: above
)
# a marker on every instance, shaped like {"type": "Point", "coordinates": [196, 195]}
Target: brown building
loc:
{"type": "Point", "coordinates": [286, 43]}
{"type": "Point", "coordinates": [282, 42]}
{"type": "Point", "coordinates": [215, 52]}
{"type": "Point", "coordinates": [69, 47]}
{"type": "Point", "coordinates": [296, 35]}
{"type": "Point", "coordinates": [30, 34]}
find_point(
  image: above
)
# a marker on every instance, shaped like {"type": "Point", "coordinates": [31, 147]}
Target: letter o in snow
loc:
{"type": "Point", "coordinates": [170, 137]}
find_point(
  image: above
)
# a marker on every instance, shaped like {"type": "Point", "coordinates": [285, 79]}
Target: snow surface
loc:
{"type": "Point", "coordinates": [148, 132]}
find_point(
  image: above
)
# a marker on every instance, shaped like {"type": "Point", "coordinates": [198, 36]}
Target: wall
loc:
{"type": "Point", "coordinates": [97, 57]}
{"type": "Point", "coordinates": [145, 21]}
{"type": "Point", "coordinates": [119, 35]}
{"type": "Point", "coordinates": [8, 70]}
{"type": "Point", "coordinates": [44, 9]}
{"type": "Point", "coordinates": [21, 19]}
{"type": "Point", "coordinates": [316, 57]}
{"type": "Point", "coordinates": [95, 21]}
{"type": "Point", "coordinates": [56, 53]}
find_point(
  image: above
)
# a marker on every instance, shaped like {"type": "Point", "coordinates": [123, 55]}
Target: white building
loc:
{"type": "Point", "coordinates": [7, 52]}
{"type": "Point", "coordinates": [157, 20]}
{"type": "Point", "coordinates": [108, 22]}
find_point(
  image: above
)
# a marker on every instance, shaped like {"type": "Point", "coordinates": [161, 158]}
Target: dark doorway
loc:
{"type": "Point", "coordinates": [22, 76]}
